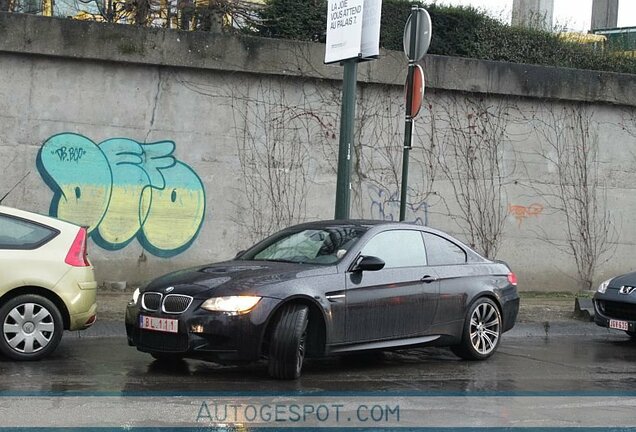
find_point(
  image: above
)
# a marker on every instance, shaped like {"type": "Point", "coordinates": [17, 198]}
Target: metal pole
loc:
{"type": "Point", "coordinates": [408, 119]}
{"type": "Point", "coordinates": [347, 117]}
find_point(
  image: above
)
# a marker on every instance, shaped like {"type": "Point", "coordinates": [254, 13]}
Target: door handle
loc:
{"type": "Point", "coordinates": [428, 279]}
{"type": "Point", "coordinates": [335, 295]}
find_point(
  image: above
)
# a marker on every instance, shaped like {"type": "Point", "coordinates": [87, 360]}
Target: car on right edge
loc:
{"type": "Point", "coordinates": [615, 304]}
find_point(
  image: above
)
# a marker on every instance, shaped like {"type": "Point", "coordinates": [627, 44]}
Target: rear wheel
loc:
{"type": "Point", "coordinates": [482, 331]}
{"type": "Point", "coordinates": [32, 327]}
{"type": "Point", "coordinates": [288, 342]}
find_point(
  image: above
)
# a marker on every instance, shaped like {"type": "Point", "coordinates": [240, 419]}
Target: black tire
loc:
{"type": "Point", "coordinates": [631, 334]}
{"type": "Point", "coordinates": [31, 327]}
{"type": "Point", "coordinates": [482, 331]}
{"type": "Point", "coordinates": [288, 342]}
{"type": "Point", "coordinates": [167, 357]}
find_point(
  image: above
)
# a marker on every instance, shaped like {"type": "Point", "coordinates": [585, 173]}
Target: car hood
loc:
{"type": "Point", "coordinates": [234, 278]}
{"type": "Point", "coordinates": [626, 279]}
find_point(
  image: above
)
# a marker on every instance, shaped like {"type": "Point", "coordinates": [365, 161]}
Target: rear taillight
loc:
{"type": "Point", "coordinates": [76, 255]}
{"type": "Point", "coordinates": [512, 278]}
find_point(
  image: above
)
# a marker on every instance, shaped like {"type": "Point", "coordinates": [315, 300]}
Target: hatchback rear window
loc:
{"type": "Point", "coordinates": [18, 233]}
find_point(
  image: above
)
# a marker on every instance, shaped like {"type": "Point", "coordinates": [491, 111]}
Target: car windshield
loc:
{"type": "Point", "coordinates": [324, 245]}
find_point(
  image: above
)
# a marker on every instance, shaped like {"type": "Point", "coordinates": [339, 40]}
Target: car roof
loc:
{"type": "Point", "coordinates": [370, 223]}
{"type": "Point", "coordinates": [36, 217]}
{"type": "Point", "coordinates": [365, 223]}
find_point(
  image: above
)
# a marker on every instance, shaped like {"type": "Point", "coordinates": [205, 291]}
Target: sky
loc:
{"type": "Point", "coordinates": [575, 15]}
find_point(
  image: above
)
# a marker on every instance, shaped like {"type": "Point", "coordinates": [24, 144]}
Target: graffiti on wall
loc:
{"type": "Point", "coordinates": [385, 206]}
{"type": "Point", "coordinates": [521, 213]}
{"type": "Point", "coordinates": [122, 189]}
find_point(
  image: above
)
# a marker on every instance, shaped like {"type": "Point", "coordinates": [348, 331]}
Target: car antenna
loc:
{"type": "Point", "coordinates": [14, 186]}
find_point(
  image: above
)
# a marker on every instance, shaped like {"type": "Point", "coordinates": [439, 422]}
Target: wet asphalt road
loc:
{"type": "Point", "coordinates": [599, 363]}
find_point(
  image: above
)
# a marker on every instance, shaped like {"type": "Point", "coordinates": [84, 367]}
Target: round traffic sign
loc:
{"type": "Point", "coordinates": [423, 34]}
{"type": "Point", "coordinates": [418, 90]}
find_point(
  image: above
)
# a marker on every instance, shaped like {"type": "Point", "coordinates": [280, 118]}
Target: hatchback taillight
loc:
{"type": "Point", "coordinates": [76, 255]}
{"type": "Point", "coordinates": [512, 278]}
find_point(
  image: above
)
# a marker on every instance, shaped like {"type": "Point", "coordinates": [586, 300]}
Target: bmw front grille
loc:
{"type": "Point", "coordinates": [176, 303]}
{"type": "Point", "coordinates": [170, 304]}
{"type": "Point", "coordinates": [151, 301]}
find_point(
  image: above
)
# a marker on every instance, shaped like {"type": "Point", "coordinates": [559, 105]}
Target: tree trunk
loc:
{"type": "Point", "coordinates": [142, 9]}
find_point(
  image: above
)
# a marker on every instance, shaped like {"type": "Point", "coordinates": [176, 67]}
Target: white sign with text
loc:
{"type": "Point", "coordinates": [370, 44]}
{"type": "Point", "coordinates": [353, 29]}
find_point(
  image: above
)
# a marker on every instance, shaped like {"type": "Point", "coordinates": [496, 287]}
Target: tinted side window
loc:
{"type": "Point", "coordinates": [397, 248]}
{"type": "Point", "coordinates": [440, 251]}
{"type": "Point", "coordinates": [21, 234]}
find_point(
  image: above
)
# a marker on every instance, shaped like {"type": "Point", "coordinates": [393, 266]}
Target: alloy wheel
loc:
{"type": "Point", "coordinates": [28, 328]}
{"type": "Point", "coordinates": [484, 328]}
{"type": "Point", "coordinates": [301, 349]}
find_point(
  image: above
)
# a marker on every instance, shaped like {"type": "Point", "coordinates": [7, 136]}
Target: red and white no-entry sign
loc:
{"type": "Point", "coordinates": [418, 90]}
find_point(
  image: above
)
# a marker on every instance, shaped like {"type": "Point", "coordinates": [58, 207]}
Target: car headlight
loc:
{"type": "Point", "coordinates": [232, 304]}
{"type": "Point", "coordinates": [603, 287]}
{"type": "Point", "coordinates": [135, 296]}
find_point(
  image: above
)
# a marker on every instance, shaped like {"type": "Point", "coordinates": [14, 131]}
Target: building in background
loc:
{"type": "Point", "coordinates": [533, 13]}
{"type": "Point", "coordinates": [604, 14]}
{"type": "Point", "coordinates": [620, 40]}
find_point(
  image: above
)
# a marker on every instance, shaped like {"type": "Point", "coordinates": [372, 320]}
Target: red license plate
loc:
{"type": "Point", "coordinates": [619, 325]}
{"type": "Point", "coordinates": [159, 324]}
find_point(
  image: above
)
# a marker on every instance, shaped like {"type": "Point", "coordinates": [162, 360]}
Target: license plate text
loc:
{"type": "Point", "coordinates": [159, 324]}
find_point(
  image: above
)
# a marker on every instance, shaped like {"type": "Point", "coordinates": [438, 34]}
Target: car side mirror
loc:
{"type": "Point", "coordinates": [368, 263]}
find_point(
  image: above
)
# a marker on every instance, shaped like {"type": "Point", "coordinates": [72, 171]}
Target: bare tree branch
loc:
{"type": "Point", "coordinates": [570, 150]}
{"type": "Point", "coordinates": [472, 133]}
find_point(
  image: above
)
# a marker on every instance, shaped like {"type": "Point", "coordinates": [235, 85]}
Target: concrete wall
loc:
{"type": "Point", "coordinates": [182, 148]}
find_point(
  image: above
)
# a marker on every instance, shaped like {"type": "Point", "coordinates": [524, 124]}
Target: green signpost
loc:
{"type": "Point", "coordinates": [353, 34]}
{"type": "Point", "coordinates": [347, 117]}
{"type": "Point", "coordinates": [417, 39]}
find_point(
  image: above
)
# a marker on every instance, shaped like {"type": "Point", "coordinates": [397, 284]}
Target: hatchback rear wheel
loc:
{"type": "Point", "coordinates": [31, 327]}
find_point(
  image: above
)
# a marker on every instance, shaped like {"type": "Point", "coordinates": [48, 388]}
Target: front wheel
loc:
{"type": "Point", "coordinates": [288, 340]}
{"type": "Point", "coordinates": [482, 331]}
{"type": "Point", "coordinates": [32, 327]}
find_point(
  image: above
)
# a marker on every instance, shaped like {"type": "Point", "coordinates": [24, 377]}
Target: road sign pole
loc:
{"type": "Point", "coordinates": [347, 118]}
{"type": "Point", "coordinates": [408, 119]}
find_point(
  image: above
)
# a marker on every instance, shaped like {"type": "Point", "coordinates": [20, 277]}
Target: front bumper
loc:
{"type": "Point", "coordinates": [613, 306]}
{"type": "Point", "coordinates": [215, 336]}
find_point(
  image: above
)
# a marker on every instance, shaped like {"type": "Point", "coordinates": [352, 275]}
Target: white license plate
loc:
{"type": "Point", "coordinates": [619, 325]}
{"type": "Point", "coordinates": [159, 324]}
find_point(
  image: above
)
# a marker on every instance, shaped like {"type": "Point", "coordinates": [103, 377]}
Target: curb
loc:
{"type": "Point", "coordinates": [558, 329]}
{"type": "Point", "coordinates": [520, 330]}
